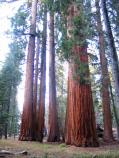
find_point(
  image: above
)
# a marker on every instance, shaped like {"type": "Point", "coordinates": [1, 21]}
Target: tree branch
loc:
{"type": "Point", "coordinates": [8, 1]}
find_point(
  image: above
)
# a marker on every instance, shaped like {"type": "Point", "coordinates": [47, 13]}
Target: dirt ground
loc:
{"type": "Point", "coordinates": [54, 150]}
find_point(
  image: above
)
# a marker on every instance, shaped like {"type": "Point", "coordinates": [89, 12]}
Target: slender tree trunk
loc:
{"type": "Point", "coordinates": [35, 94]}
{"type": "Point", "coordinates": [108, 136]}
{"type": "Point", "coordinates": [114, 57]}
{"type": "Point", "coordinates": [80, 119]}
{"type": "Point", "coordinates": [41, 112]}
{"type": "Point", "coordinates": [26, 132]}
{"type": "Point", "coordinates": [53, 129]}
{"type": "Point", "coordinates": [7, 111]}
{"type": "Point", "coordinates": [114, 109]}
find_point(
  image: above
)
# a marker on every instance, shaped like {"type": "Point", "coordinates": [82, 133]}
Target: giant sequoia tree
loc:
{"type": "Point", "coordinates": [114, 57]}
{"type": "Point", "coordinates": [26, 132]}
{"type": "Point", "coordinates": [70, 20]}
{"type": "Point", "coordinates": [41, 109]}
{"type": "Point", "coordinates": [35, 88]}
{"type": "Point", "coordinates": [80, 119]}
{"type": "Point", "coordinates": [108, 136]}
{"type": "Point", "coordinates": [53, 128]}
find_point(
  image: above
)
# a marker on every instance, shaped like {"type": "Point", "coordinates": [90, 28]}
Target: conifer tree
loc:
{"type": "Point", "coordinates": [53, 127]}
{"type": "Point", "coordinates": [26, 132]}
{"type": "Point", "coordinates": [41, 108]}
{"type": "Point", "coordinates": [114, 57]}
{"type": "Point", "coordinates": [108, 136]}
{"type": "Point", "coordinates": [80, 117]}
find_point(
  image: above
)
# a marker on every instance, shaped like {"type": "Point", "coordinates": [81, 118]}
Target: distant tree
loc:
{"type": "Point", "coordinates": [61, 86]}
{"type": "Point", "coordinates": [108, 136]}
{"type": "Point", "coordinates": [10, 78]}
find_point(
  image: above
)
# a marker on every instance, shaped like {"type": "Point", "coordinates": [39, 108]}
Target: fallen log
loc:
{"type": "Point", "coordinates": [22, 153]}
{"type": "Point", "coordinates": [4, 153]}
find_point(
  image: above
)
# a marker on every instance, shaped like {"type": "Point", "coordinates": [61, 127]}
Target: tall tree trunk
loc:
{"type": "Point", "coordinates": [80, 119]}
{"type": "Point", "coordinates": [53, 128]}
{"type": "Point", "coordinates": [114, 57]}
{"type": "Point", "coordinates": [108, 136]}
{"type": "Point", "coordinates": [36, 74]}
{"type": "Point", "coordinates": [7, 111]}
{"type": "Point", "coordinates": [114, 108]}
{"type": "Point", "coordinates": [26, 132]}
{"type": "Point", "coordinates": [41, 112]}
{"type": "Point", "coordinates": [35, 94]}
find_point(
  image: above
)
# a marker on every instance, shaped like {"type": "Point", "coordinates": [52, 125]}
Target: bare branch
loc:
{"type": "Point", "coordinates": [8, 1]}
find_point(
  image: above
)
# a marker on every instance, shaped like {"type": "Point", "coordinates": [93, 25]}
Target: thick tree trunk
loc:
{"type": "Point", "coordinates": [41, 112]}
{"type": "Point", "coordinates": [36, 70]}
{"type": "Point", "coordinates": [80, 125]}
{"type": "Point", "coordinates": [80, 119]}
{"type": "Point", "coordinates": [26, 132]}
{"type": "Point", "coordinates": [114, 57]}
{"type": "Point", "coordinates": [53, 128]}
{"type": "Point", "coordinates": [35, 90]}
{"type": "Point", "coordinates": [108, 136]}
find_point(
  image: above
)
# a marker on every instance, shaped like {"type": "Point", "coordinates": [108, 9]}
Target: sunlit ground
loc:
{"type": "Point", "coordinates": [54, 150]}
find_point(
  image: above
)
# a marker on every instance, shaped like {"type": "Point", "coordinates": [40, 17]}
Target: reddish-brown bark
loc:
{"type": "Point", "coordinates": [114, 57]}
{"type": "Point", "coordinates": [26, 132]}
{"type": "Point", "coordinates": [36, 74]}
{"type": "Point", "coordinates": [35, 91]}
{"type": "Point", "coordinates": [80, 126]}
{"type": "Point", "coordinates": [80, 119]}
{"type": "Point", "coordinates": [108, 136]}
{"type": "Point", "coordinates": [41, 111]}
{"type": "Point", "coordinates": [53, 128]}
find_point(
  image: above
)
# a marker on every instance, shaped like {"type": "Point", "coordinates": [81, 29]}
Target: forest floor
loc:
{"type": "Point", "coordinates": [54, 150]}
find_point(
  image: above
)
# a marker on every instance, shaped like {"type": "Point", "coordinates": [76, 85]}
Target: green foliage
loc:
{"type": "Point", "coordinates": [19, 22]}
{"type": "Point", "coordinates": [62, 145]}
{"type": "Point", "coordinates": [78, 37]}
{"type": "Point", "coordinates": [10, 78]}
{"type": "Point", "coordinates": [11, 73]}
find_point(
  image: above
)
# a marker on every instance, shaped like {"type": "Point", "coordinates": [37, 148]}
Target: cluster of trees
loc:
{"type": "Point", "coordinates": [73, 26]}
{"type": "Point", "coordinates": [10, 78]}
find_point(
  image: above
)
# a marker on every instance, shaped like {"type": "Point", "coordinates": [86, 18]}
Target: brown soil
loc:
{"type": "Point", "coordinates": [54, 150]}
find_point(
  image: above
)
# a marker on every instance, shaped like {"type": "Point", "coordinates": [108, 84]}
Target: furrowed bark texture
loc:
{"type": "Point", "coordinates": [53, 129]}
{"type": "Point", "coordinates": [108, 136]}
{"type": "Point", "coordinates": [35, 90]}
{"type": "Point", "coordinates": [114, 57]}
{"type": "Point", "coordinates": [26, 132]}
{"type": "Point", "coordinates": [80, 119]}
{"type": "Point", "coordinates": [36, 74]}
{"type": "Point", "coordinates": [41, 112]}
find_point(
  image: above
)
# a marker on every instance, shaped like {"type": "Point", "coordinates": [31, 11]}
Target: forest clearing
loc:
{"type": "Point", "coordinates": [57, 150]}
{"type": "Point", "coordinates": [59, 79]}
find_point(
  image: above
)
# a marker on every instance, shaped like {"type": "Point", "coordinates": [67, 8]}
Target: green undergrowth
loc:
{"type": "Point", "coordinates": [104, 155]}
